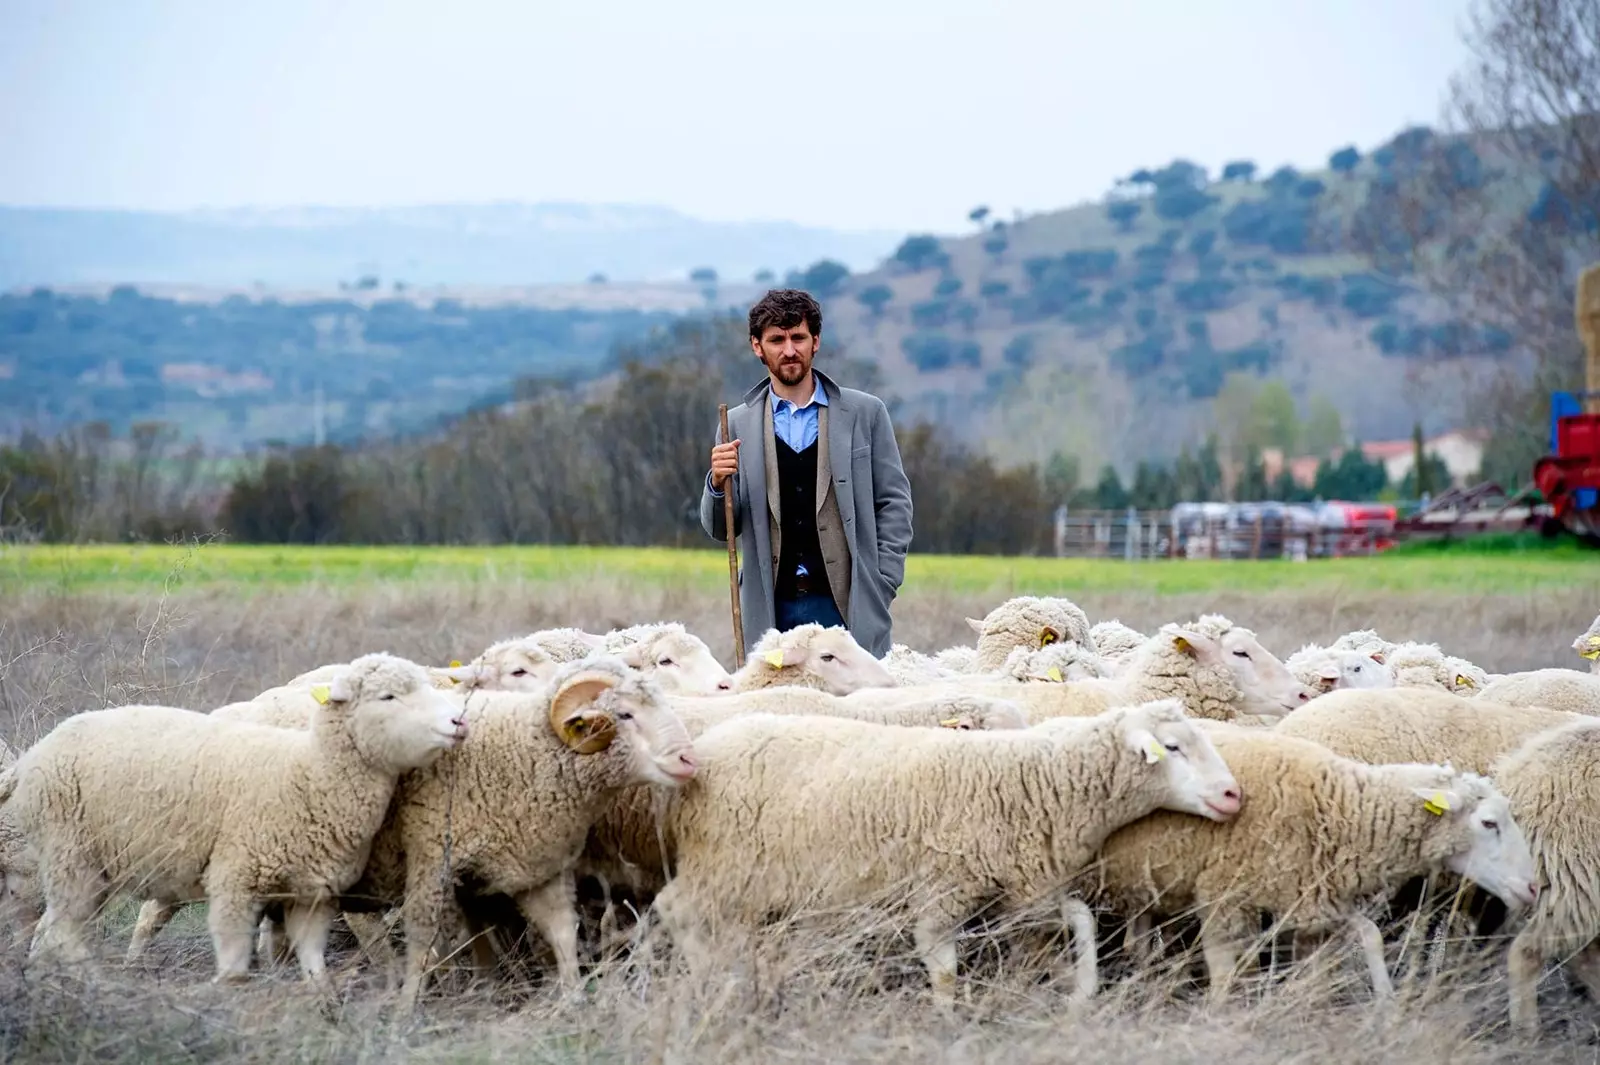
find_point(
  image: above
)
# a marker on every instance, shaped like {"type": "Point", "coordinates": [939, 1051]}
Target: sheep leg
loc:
{"type": "Point", "coordinates": [308, 924]}
{"type": "Point", "coordinates": [936, 945]}
{"type": "Point", "coordinates": [1585, 965]}
{"type": "Point", "coordinates": [551, 908]}
{"type": "Point", "coordinates": [1219, 945]}
{"type": "Point", "coordinates": [153, 917]}
{"type": "Point", "coordinates": [1523, 970]}
{"type": "Point", "coordinates": [63, 935]}
{"type": "Point", "coordinates": [1136, 934]}
{"type": "Point", "coordinates": [422, 910]}
{"type": "Point", "coordinates": [1371, 941]}
{"type": "Point", "coordinates": [232, 918]}
{"type": "Point", "coordinates": [1075, 915]}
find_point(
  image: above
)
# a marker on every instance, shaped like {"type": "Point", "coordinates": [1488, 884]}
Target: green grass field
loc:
{"type": "Point", "coordinates": [1500, 570]}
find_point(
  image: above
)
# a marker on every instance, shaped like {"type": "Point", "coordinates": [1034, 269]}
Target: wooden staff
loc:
{"type": "Point", "coordinates": [733, 554]}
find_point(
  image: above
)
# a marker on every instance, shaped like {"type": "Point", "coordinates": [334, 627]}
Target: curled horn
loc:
{"type": "Point", "coordinates": [582, 727]}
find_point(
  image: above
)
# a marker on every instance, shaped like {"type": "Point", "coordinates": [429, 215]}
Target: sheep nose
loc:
{"type": "Point", "coordinates": [1305, 696]}
{"type": "Point", "coordinates": [724, 685]}
{"type": "Point", "coordinates": [1533, 889]}
{"type": "Point", "coordinates": [1231, 793]}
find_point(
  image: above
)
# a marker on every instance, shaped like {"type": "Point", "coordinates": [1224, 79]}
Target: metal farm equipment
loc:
{"type": "Point", "coordinates": [1569, 477]}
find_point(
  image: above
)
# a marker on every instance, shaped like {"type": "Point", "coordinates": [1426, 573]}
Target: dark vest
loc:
{"type": "Point", "coordinates": [797, 517]}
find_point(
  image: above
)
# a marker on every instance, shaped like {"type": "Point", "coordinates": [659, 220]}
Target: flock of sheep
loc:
{"type": "Point", "coordinates": [1090, 770]}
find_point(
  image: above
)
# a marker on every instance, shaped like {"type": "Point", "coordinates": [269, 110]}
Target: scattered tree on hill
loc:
{"type": "Point", "coordinates": [1345, 160]}
{"type": "Point", "coordinates": [1123, 213]}
{"type": "Point", "coordinates": [824, 277]}
{"type": "Point", "coordinates": [996, 243]}
{"type": "Point", "coordinates": [764, 277]}
{"type": "Point", "coordinates": [1239, 170]}
{"type": "Point", "coordinates": [875, 297]}
{"type": "Point", "coordinates": [977, 215]}
{"type": "Point", "coordinates": [703, 275]}
{"type": "Point", "coordinates": [922, 252]}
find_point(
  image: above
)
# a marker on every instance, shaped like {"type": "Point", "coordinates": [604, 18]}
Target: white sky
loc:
{"type": "Point", "coordinates": [899, 114]}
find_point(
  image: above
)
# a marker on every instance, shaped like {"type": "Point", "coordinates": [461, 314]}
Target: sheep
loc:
{"type": "Point", "coordinates": [810, 656]}
{"type": "Point", "coordinates": [959, 659]}
{"type": "Point", "coordinates": [1423, 665]}
{"type": "Point", "coordinates": [1418, 725]}
{"type": "Point", "coordinates": [788, 813]}
{"type": "Point", "coordinates": [1217, 669]}
{"type": "Point", "coordinates": [1588, 645]}
{"type": "Point", "coordinates": [679, 660]}
{"type": "Point", "coordinates": [181, 805]}
{"type": "Point", "coordinates": [1115, 641]}
{"type": "Point", "coordinates": [1058, 662]}
{"type": "Point", "coordinates": [1326, 669]}
{"type": "Point", "coordinates": [1318, 836]}
{"type": "Point", "coordinates": [625, 850]}
{"type": "Point", "coordinates": [515, 803]}
{"type": "Point", "coordinates": [913, 667]}
{"type": "Point", "coordinates": [1553, 784]}
{"type": "Point", "coordinates": [1559, 689]}
{"type": "Point", "coordinates": [519, 664]}
{"type": "Point", "coordinates": [567, 644]}
{"type": "Point", "coordinates": [1364, 641]}
{"type": "Point", "coordinates": [1026, 621]}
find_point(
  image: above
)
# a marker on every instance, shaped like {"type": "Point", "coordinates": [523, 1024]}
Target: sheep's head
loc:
{"type": "Point", "coordinates": [1365, 641]}
{"type": "Point", "coordinates": [1588, 645]}
{"type": "Point", "coordinates": [1027, 621]}
{"type": "Point", "coordinates": [396, 716]}
{"type": "Point", "coordinates": [1482, 841]}
{"type": "Point", "coordinates": [1266, 687]}
{"type": "Point", "coordinates": [595, 702]}
{"type": "Point", "coordinates": [1114, 640]}
{"type": "Point", "coordinates": [1058, 663]}
{"type": "Point", "coordinates": [1194, 778]}
{"type": "Point", "coordinates": [1464, 677]}
{"type": "Point", "coordinates": [680, 661]}
{"type": "Point", "coordinates": [1326, 669]}
{"type": "Point", "coordinates": [811, 656]}
{"type": "Point", "coordinates": [567, 644]}
{"type": "Point", "coordinates": [519, 665]}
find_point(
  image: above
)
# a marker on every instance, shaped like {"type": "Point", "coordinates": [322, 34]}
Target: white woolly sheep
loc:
{"type": "Point", "coordinates": [1364, 641]}
{"type": "Point", "coordinates": [679, 660]}
{"type": "Point", "coordinates": [1318, 837]}
{"type": "Point", "coordinates": [1215, 668]}
{"type": "Point", "coordinates": [1558, 689]}
{"type": "Point", "coordinates": [568, 644]}
{"type": "Point", "coordinates": [181, 806]}
{"type": "Point", "coordinates": [518, 664]}
{"type": "Point", "coordinates": [1058, 662]}
{"type": "Point", "coordinates": [810, 656]}
{"type": "Point", "coordinates": [791, 813]}
{"type": "Point", "coordinates": [518, 799]}
{"type": "Point", "coordinates": [959, 659]}
{"type": "Point", "coordinates": [1588, 645]}
{"type": "Point", "coordinates": [907, 666]}
{"type": "Point", "coordinates": [1423, 665]}
{"type": "Point", "coordinates": [1553, 783]}
{"type": "Point", "coordinates": [1418, 725]}
{"type": "Point", "coordinates": [1029, 621]}
{"type": "Point", "coordinates": [21, 900]}
{"type": "Point", "coordinates": [1328, 669]}
{"type": "Point", "coordinates": [1115, 641]}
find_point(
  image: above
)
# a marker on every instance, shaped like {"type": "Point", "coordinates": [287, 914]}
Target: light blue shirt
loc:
{"type": "Point", "coordinates": [795, 426]}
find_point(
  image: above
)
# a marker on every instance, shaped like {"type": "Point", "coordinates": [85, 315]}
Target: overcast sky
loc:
{"type": "Point", "coordinates": [900, 114]}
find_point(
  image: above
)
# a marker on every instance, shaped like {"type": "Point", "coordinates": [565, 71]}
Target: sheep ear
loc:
{"type": "Point", "coordinates": [1192, 643]}
{"type": "Point", "coordinates": [1437, 801]}
{"type": "Point", "coordinates": [1048, 636]}
{"type": "Point", "coordinates": [473, 674]}
{"type": "Point", "coordinates": [1378, 657]}
{"type": "Point", "coordinates": [584, 728]}
{"type": "Point", "coordinates": [1144, 741]}
{"type": "Point", "coordinates": [341, 690]}
{"type": "Point", "coordinates": [975, 625]}
{"type": "Point", "coordinates": [632, 655]}
{"type": "Point", "coordinates": [1464, 681]}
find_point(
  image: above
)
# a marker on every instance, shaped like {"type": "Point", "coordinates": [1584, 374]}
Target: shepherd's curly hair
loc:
{"type": "Point", "coordinates": [784, 308]}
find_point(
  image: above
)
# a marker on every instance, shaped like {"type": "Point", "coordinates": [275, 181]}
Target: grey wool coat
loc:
{"type": "Point", "coordinates": [867, 489]}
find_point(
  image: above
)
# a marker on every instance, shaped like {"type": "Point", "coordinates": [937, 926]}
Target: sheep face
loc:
{"type": "Point", "coordinates": [1464, 677]}
{"type": "Point", "coordinates": [1493, 852]}
{"type": "Point", "coordinates": [975, 713]}
{"type": "Point", "coordinates": [592, 710]}
{"type": "Point", "coordinates": [397, 717]}
{"type": "Point", "coordinates": [680, 662]}
{"type": "Point", "coordinates": [514, 666]}
{"type": "Point", "coordinates": [1588, 645]}
{"type": "Point", "coordinates": [830, 659]}
{"type": "Point", "coordinates": [1267, 687]}
{"type": "Point", "coordinates": [1195, 779]}
{"type": "Point", "coordinates": [1326, 669]}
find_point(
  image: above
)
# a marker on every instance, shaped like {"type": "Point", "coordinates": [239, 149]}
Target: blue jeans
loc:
{"type": "Point", "coordinates": [792, 613]}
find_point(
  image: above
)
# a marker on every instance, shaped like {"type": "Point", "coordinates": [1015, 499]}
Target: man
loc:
{"type": "Point", "coordinates": [831, 503]}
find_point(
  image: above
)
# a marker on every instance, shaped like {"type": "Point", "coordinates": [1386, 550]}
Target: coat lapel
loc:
{"type": "Point", "coordinates": [840, 421]}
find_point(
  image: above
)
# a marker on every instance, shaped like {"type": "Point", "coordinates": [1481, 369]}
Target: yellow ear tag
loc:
{"type": "Point", "coordinates": [320, 694]}
{"type": "Point", "coordinates": [455, 663]}
{"type": "Point", "coordinates": [1462, 681]}
{"type": "Point", "coordinates": [1437, 805]}
{"type": "Point", "coordinates": [1047, 637]}
{"type": "Point", "coordinates": [1154, 751]}
{"type": "Point", "coordinates": [1591, 655]}
{"type": "Point", "coordinates": [775, 659]}
{"type": "Point", "coordinates": [950, 722]}
{"type": "Point", "coordinates": [1054, 673]}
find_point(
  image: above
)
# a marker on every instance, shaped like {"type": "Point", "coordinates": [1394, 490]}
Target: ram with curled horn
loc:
{"type": "Point", "coordinates": [581, 725]}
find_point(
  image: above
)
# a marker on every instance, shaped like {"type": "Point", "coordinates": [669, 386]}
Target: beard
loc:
{"type": "Point", "coordinates": [790, 373]}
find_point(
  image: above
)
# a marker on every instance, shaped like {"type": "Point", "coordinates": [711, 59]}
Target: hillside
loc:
{"type": "Point", "coordinates": [319, 247]}
{"type": "Point", "coordinates": [1106, 330]}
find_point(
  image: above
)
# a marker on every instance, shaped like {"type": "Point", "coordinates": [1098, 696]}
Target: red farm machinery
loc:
{"type": "Point", "coordinates": [1569, 477]}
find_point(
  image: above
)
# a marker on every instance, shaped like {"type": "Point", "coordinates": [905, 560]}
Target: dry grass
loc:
{"type": "Point", "coordinates": [814, 995]}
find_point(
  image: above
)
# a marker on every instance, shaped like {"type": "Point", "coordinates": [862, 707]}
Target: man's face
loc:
{"type": "Point", "coordinates": [786, 352]}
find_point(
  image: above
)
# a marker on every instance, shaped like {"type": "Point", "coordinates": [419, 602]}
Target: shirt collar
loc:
{"type": "Point", "coordinates": [818, 396]}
